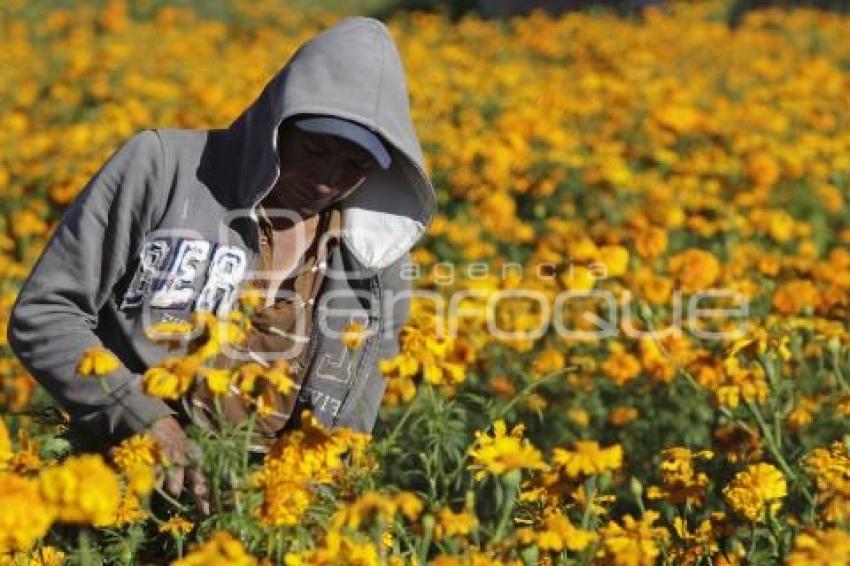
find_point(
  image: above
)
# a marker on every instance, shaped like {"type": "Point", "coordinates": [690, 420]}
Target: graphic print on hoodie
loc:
{"type": "Point", "coordinates": [168, 225]}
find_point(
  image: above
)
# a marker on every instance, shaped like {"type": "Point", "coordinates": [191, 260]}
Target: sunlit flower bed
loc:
{"type": "Point", "coordinates": [594, 165]}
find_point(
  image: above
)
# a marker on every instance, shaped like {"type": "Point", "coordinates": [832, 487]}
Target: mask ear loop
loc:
{"type": "Point", "coordinates": [349, 192]}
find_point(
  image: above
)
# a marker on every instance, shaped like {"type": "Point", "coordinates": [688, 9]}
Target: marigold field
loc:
{"type": "Point", "coordinates": [649, 160]}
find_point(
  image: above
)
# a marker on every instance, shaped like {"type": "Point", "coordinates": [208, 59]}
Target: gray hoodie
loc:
{"type": "Point", "coordinates": [168, 225]}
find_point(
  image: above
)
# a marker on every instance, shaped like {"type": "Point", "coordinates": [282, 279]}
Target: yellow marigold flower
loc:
{"type": "Point", "coordinates": [547, 361]}
{"type": "Point", "coordinates": [82, 490]}
{"type": "Point", "coordinates": [759, 487]}
{"type": "Point", "coordinates": [27, 458]}
{"type": "Point", "coordinates": [220, 550]}
{"type": "Point", "coordinates": [399, 366]}
{"type": "Point", "coordinates": [781, 226]}
{"type": "Point", "coordinates": [694, 270]}
{"type": "Point", "coordinates": [587, 458]}
{"type": "Point", "coordinates": [372, 503]}
{"type": "Point", "coordinates": [798, 418]}
{"type": "Point", "coordinates": [169, 327]}
{"type": "Point", "coordinates": [444, 373]}
{"type": "Point", "coordinates": [635, 543]}
{"type": "Point", "coordinates": [679, 118]}
{"type": "Point", "coordinates": [336, 549]}
{"type": "Point", "coordinates": [582, 250]}
{"type": "Point", "coordinates": [252, 301]}
{"type": "Point", "coordinates": [140, 479]}
{"type": "Point", "coordinates": [557, 534]}
{"type": "Point", "coordinates": [820, 548]}
{"type": "Point", "coordinates": [97, 361]}
{"type": "Point", "coordinates": [621, 367]}
{"type": "Point", "coordinates": [44, 556]}
{"type": "Point", "coordinates": [578, 278]}
{"type": "Point", "coordinates": [47, 556]}
{"type": "Point", "coordinates": [651, 242]}
{"type": "Point", "coordinates": [246, 375]}
{"type": "Point", "coordinates": [794, 296]}
{"type": "Point", "coordinates": [172, 378]}
{"type": "Point", "coordinates": [139, 449]}
{"type": "Point", "coordinates": [173, 334]}
{"type": "Point", "coordinates": [502, 386]}
{"type": "Point", "coordinates": [409, 504]}
{"type": "Point", "coordinates": [280, 376]}
{"type": "Point", "coordinates": [177, 526]}
{"type": "Point", "coordinates": [682, 483]}
{"type": "Point", "coordinates": [829, 466]}
{"type": "Point", "coordinates": [728, 396]}
{"type": "Point", "coordinates": [6, 451]}
{"type": "Point", "coordinates": [284, 502]}
{"type": "Point", "coordinates": [501, 453]}
{"type": "Point", "coordinates": [439, 226]}
{"type": "Point", "coordinates": [129, 511]}
{"type": "Point", "coordinates": [471, 557]}
{"type": "Point", "coordinates": [135, 457]}
{"type": "Point", "coordinates": [762, 169]}
{"type": "Point", "coordinates": [400, 390]}
{"type": "Point", "coordinates": [218, 380]}
{"type": "Point", "coordinates": [353, 335]}
{"type": "Point", "coordinates": [656, 289]}
{"type": "Point", "coordinates": [451, 524]}
{"type": "Point", "coordinates": [830, 469]}
{"type": "Point", "coordinates": [759, 342]}
{"type": "Point", "coordinates": [700, 542]}
{"type": "Point", "coordinates": [621, 416]}
{"type": "Point", "coordinates": [578, 416]}
{"type": "Point", "coordinates": [217, 333]}
{"type": "Point", "coordinates": [24, 515]}
{"type": "Point", "coordinates": [27, 223]}
{"type": "Point", "coordinates": [615, 259]}
{"type": "Point", "coordinates": [305, 456]}
{"type": "Point", "coordinates": [162, 383]}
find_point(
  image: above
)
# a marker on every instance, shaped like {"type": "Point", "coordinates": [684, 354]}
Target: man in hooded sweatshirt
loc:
{"type": "Point", "coordinates": [169, 225]}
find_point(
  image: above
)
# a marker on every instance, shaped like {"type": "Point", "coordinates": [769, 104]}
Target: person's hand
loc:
{"type": "Point", "coordinates": [182, 462]}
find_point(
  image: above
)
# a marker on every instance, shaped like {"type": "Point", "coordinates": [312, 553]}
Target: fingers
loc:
{"type": "Point", "coordinates": [174, 477]}
{"type": "Point", "coordinates": [180, 465]}
{"type": "Point", "coordinates": [194, 454]}
{"type": "Point", "coordinates": [159, 477]}
{"type": "Point", "coordinates": [197, 479]}
{"type": "Point", "coordinates": [200, 490]}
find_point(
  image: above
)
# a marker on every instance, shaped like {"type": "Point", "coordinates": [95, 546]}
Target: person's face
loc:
{"type": "Point", "coordinates": [316, 170]}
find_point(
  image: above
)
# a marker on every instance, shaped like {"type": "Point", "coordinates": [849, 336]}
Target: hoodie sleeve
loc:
{"type": "Point", "coordinates": [364, 413]}
{"type": "Point", "coordinates": [54, 317]}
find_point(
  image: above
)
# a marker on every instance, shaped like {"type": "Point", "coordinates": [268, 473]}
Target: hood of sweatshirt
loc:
{"type": "Point", "coordinates": [350, 70]}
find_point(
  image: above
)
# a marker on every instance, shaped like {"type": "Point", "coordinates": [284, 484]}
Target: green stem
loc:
{"type": "Point", "coordinates": [104, 385]}
{"type": "Point", "coordinates": [774, 380]}
{"type": "Point", "coordinates": [425, 541]}
{"type": "Point", "coordinates": [529, 388]}
{"type": "Point", "coordinates": [589, 493]}
{"type": "Point", "coordinates": [510, 482]}
{"type": "Point", "coordinates": [769, 440]}
{"type": "Point", "coordinates": [839, 373]}
{"type": "Point", "coordinates": [171, 500]}
{"type": "Point", "coordinates": [752, 548]}
{"type": "Point", "coordinates": [279, 546]}
{"type": "Point", "coordinates": [389, 440]}
{"type": "Point", "coordinates": [246, 452]}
